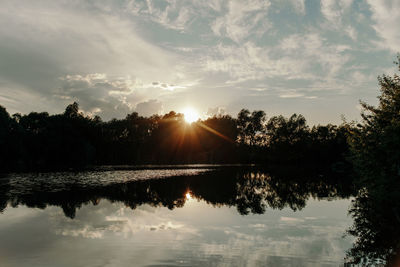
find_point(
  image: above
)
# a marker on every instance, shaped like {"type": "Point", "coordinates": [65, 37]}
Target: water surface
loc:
{"type": "Point", "coordinates": [182, 217]}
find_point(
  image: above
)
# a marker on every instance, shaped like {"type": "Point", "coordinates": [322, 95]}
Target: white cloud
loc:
{"type": "Point", "coordinates": [299, 6]}
{"type": "Point", "coordinates": [215, 5]}
{"type": "Point", "coordinates": [48, 41]}
{"type": "Point", "coordinates": [242, 19]}
{"type": "Point", "coordinates": [84, 39]}
{"type": "Point", "coordinates": [217, 111]}
{"type": "Point", "coordinates": [291, 219]}
{"type": "Point", "coordinates": [313, 50]}
{"type": "Point", "coordinates": [118, 223]}
{"type": "Point", "coordinates": [386, 15]}
{"type": "Point", "coordinates": [119, 85]}
{"type": "Point", "coordinates": [173, 15]}
{"type": "Point", "coordinates": [150, 107]}
{"type": "Point", "coordinates": [299, 57]}
{"type": "Point", "coordinates": [333, 9]}
{"type": "Point", "coordinates": [334, 12]}
{"type": "Point", "coordinates": [249, 62]}
{"type": "Point", "coordinates": [351, 32]}
{"type": "Point", "coordinates": [217, 52]}
{"type": "Point", "coordinates": [85, 232]}
{"type": "Point", "coordinates": [166, 86]}
{"type": "Point", "coordinates": [98, 94]}
{"type": "Point", "coordinates": [291, 95]}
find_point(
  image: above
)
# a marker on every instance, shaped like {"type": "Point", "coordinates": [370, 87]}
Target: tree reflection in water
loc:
{"type": "Point", "coordinates": [376, 226]}
{"type": "Point", "coordinates": [250, 191]}
{"type": "Point", "coordinates": [375, 209]}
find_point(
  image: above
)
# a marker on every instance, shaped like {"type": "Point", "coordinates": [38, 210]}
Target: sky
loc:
{"type": "Point", "coordinates": [310, 57]}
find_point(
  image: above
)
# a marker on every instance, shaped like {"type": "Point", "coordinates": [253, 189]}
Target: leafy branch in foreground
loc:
{"type": "Point", "coordinates": [375, 147]}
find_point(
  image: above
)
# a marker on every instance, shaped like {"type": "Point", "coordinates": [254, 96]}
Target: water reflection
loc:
{"type": "Point", "coordinates": [160, 209]}
{"type": "Point", "coordinates": [174, 218]}
{"type": "Point", "coordinates": [250, 191]}
{"type": "Point", "coordinates": [376, 226]}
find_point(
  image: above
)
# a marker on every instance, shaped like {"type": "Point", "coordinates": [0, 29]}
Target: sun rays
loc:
{"type": "Point", "coordinates": [190, 115]}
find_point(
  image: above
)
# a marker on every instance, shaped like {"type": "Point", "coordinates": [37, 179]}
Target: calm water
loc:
{"type": "Point", "coordinates": [185, 217]}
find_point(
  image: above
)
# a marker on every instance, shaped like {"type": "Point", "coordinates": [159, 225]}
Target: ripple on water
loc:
{"type": "Point", "coordinates": [58, 181]}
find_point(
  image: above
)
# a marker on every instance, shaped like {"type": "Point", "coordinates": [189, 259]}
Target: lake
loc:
{"type": "Point", "coordinates": [200, 216]}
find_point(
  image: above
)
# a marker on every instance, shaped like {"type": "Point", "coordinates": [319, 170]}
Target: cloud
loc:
{"type": "Point", "coordinates": [166, 86]}
{"type": "Point", "coordinates": [150, 107]}
{"type": "Point", "coordinates": [217, 53]}
{"type": "Point", "coordinates": [243, 18]}
{"type": "Point", "coordinates": [171, 15]}
{"type": "Point", "coordinates": [97, 226]}
{"type": "Point", "coordinates": [297, 56]}
{"type": "Point", "coordinates": [291, 219]}
{"type": "Point", "coordinates": [235, 20]}
{"type": "Point", "coordinates": [85, 232]}
{"type": "Point", "coordinates": [242, 63]}
{"type": "Point", "coordinates": [48, 40]}
{"type": "Point", "coordinates": [299, 6]}
{"type": "Point", "coordinates": [99, 81]}
{"type": "Point", "coordinates": [351, 32]}
{"type": "Point", "coordinates": [333, 10]}
{"type": "Point", "coordinates": [312, 50]}
{"type": "Point", "coordinates": [217, 111]}
{"type": "Point", "coordinates": [386, 15]}
{"type": "Point", "coordinates": [98, 94]}
{"type": "Point", "coordinates": [291, 95]}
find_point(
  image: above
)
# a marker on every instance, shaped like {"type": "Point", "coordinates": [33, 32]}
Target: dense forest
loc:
{"type": "Point", "coordinates": [39, 141]}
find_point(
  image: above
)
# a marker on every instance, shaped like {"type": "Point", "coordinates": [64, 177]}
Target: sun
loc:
{"type": "Point", "coordinates": [190, 115]}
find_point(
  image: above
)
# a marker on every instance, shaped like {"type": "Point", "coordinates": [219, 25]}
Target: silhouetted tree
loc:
{"type": "Point", "coordinates": [375, 147]}
{"type": "Point", "coordinates": [251, 127]}
{"type": "Point", "coordinates": [287, 139]}
{"type": "Point", "coordinates": [72, 111]}
{"type": "Point", "coordinates": [5, 136]}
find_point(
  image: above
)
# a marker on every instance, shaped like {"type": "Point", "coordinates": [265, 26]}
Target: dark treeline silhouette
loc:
{"type": "Point", "coordinates": [375, 153]}
{"type": "Point", "coordinates": [39, 141]}
{"type": "Point", "coordinates": [250, 191]}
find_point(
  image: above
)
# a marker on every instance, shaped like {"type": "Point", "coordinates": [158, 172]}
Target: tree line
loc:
{"type": "Point", "coordinates": [39, 141]}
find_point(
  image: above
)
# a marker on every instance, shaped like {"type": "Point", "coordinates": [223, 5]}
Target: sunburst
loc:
{"type": "Point", "coordinates": [190, 115]}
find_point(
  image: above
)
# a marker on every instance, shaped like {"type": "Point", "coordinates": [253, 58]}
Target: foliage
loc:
{"type": "Point", "coordinates": [375, 147]}
{"type": "Point", "coordinates": [39, 141]}
{"type": "Point", "coordinates": [251, 127]}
